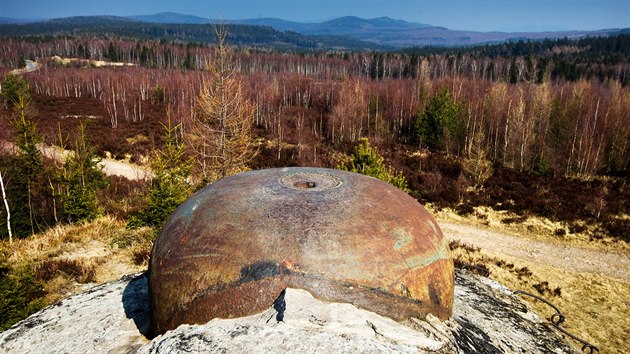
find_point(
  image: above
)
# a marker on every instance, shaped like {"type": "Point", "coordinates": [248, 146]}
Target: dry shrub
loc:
{"type": "Point", "coordinates": [560, 232]}
{"type": "Point", "coordinates": [523, 272]}
{"type": "Point", "coordinates": [514, 220]}
{"type": "Point", "coordinates": [467, 257]}
{"type": "Point", "coordinates": [457, 244]}
{"type": "Point", "coordinates": [122, 197]}
{"type": "Point", "coordinates": [141, 256]}
{"type": "Point", "coordinates": [130, 238]}
{"type": "Point", "coordinates": [576, 228]}
{"type": "Point", "coordinates": [464, 209]}
{"type": "Point", "coordinates": [477, 170]}
{"type": "Point", "coordinates": [503, 264]}
{"type": "Point", "coordinates": [431, 182]}
{"type": "Point", "coordinates": [82, 253]}
{"type": "Point", "coordinates": [544, 289]}
{"type": "Point", "coordinates": [477, 268]}
{"type": "Point", "coordinates": [596, 201]}
{"type": "Point", "coordinates": [77, 269]}
{"type": "Point", "coordinates": [102, 135]}
{"type": "Point", "coordinates": [618, 228]}
{"type": "Point", "coordinates": [583, 298]}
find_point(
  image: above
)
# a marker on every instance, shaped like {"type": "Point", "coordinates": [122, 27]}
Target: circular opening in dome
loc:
{"type": "Point", "coordinates": [305, 184]}
{"type": "Point", "coordinates": [312, 182]}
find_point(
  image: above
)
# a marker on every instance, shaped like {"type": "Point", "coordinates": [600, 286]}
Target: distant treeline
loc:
{"type": "Point", "coordinates": [571, 59]}
{"type": "Point", "coordinates": [600, 58]}
{"type": "Point", "coordinates": [615, 48]}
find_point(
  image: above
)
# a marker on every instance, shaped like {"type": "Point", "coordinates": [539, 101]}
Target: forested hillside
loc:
{"type": "Point", "coordinates": [122, 27]}
{"type": "Point", "coordinates": [455, 121]}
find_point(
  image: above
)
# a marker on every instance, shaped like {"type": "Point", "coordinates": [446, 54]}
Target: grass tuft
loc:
{"type": "Point", "coordinates": [82, 271]}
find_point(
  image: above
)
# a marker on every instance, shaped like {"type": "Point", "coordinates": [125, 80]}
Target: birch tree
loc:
{"type": "Point", "coordinates": [6, 206]}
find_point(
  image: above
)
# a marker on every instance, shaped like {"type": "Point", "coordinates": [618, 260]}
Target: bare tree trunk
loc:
{"type": "Point", "coordinates": [6, 206]}
{"type": "Point", "coordinates": [506, 135]}
{"type": "Point", "coordinates": [52, 188]}
{"type": "Point", "coordinates": [30, 209]}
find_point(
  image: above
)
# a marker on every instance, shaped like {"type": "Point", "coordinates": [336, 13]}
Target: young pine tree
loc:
{"type": "Point", "coordinates": [21, 293]}
{"type": "Point", "coordinates": [24, 187]}
{"type": "Point", "coordinates": [439, 127]}
{"type": "Point", "coordinates": [170, 185]}
{"type": "Point", "coordinates": [15, 88]}
{"type": "Point", "coordinates": [27, 200]}
{"type": "Point", "coordinates": [82, 178]}
{"type": "Point", "coordinates": [367, 161]}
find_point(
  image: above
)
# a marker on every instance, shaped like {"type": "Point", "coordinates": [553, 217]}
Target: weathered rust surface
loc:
{"type": "Point", "coordinates": [230, 249]}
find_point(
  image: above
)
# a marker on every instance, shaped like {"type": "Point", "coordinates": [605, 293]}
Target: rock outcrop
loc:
{"type": "Point", "coordinates": [114, 318]}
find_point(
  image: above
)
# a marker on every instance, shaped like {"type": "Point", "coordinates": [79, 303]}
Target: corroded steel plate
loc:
{"type": "Point", "coordinates": [230, 249]}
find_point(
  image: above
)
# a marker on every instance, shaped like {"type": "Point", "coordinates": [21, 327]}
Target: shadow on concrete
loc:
{"type": "Point", "coordinates": [136, 303]}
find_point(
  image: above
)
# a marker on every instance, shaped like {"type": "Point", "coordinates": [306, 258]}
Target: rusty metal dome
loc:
{"type": "Point", "coordinates": [233, 247]}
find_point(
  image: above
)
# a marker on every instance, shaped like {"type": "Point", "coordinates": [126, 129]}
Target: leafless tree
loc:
{"type": "Point", "coordinates": [221, 130]}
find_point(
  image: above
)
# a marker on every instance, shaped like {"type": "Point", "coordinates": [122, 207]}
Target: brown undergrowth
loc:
{"type": "Point", "coordinates": [69, 258]}
{"type": "Point", "coordinates": [581, 234]}
{"type": "Point", "coordinates": [596, 307]}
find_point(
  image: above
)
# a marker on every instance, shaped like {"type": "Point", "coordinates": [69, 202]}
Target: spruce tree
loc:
{"type": "Point", "coordinates": [21, 293]}
{"type": "Point", "coordinates": [24, 188]}
{"type": "Point", "coordinates": [439, 127]}
{"type": "Point", "coordinates": [82, 178]}
{"type": "Point", "coordinates": [170, 185]}
{"type": "Point", "coordinates": [14, 89]}
{"type": "Point", "coordinates": [367, 161]}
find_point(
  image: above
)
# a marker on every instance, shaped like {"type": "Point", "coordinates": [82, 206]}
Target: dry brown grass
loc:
{"type": "Point", "coordinates": [70, 258]}
{"type": "Point", "coordinates": [596, 307]}
{"type": "Point", "coordinates": [533, 227]}
{"type": "Point", "coordinates": [82, 270]}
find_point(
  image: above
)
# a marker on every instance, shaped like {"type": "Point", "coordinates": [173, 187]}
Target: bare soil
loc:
{"type": "Point", "coordinates": [588, 282]}
{"type": "Point", "coordinates": [565, 256]}
{"type": "Point", "coordinates": [111, 167]}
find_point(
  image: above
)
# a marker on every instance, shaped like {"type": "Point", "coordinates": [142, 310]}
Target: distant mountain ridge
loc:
{"type": "Point", "coordinates": [376, 33]}
{"type": "Point", "coordinates": [341, 25]}
{"type": "Point", "coordinates": [10, 20]}
{"type": "Point", "coordinates": [346, 25]}
{"type": "Point", "coordinates": [401, 34]}
{"type": "Point", "coordinates": [238, 34]}
{"type": "Point", "coordinates": [171, 18]}
{"type": "Point", "coordinates": [384, 30]}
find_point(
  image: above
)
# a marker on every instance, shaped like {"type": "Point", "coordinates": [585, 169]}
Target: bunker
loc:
{"type": "Point", "coordinates": [233, 247]}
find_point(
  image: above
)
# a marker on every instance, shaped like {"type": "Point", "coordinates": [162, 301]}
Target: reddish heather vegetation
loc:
{"type": "Point", "coordinates": [535, 146]}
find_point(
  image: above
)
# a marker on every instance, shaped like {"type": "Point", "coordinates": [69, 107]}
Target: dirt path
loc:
{"type": "Point", "coordinates": [110, 167]}
{"type": "Point", "coordinates": [567, 257]}
{"type": "Point", "coordinates": [120, 168]}
{"type": "Point", "coordinates": [30, 66]}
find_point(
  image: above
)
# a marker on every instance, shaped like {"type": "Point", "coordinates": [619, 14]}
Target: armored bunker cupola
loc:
{"type": "Point", "coordinates": [233, 247]}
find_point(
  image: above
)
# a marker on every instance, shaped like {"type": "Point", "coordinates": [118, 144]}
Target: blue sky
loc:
{"type": "Point", "coordinates": [480, 15]}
